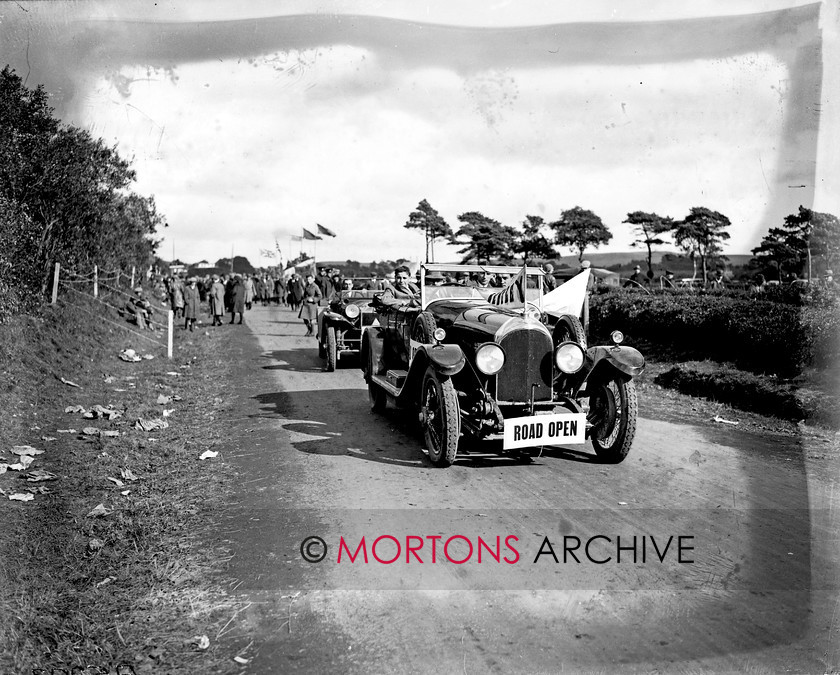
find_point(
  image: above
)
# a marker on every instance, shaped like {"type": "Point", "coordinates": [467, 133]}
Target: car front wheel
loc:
{"type": "Point", "coordinates": [440, 418]}
{"type": "Point", "coordinates": [331, 348]}
{"type": "Point", "coordinates": [376, 394]}
{"type": "Point", "coordinates": [613, 411]}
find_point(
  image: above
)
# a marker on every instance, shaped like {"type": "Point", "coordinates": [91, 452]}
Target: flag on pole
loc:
{"type": "Point", "coordinates": [513, 292]}
{"type": "Point", "coordinates": [324, 230]}
{"type": "Point", "coordinates": [308, 235]}
{"type": "Point", "coordinates": [294, 237]}
{"type": "Point", "coordinates": [267, 253]}
{"type": "Point", "coordinates": [568, 298]}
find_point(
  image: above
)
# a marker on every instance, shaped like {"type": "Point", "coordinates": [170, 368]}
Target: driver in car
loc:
{"type": "Point", "coordinates": [403, 291]}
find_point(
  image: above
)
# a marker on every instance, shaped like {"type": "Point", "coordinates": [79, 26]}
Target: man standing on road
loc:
{"type": "Point", "coordinates": [217, 300]}
{"type": "Point", "coordinates": [311, 299]}
{"type": "Point", "coordinates": [237, 300]}
{"type": "Point", "coordinates": [191, 301]}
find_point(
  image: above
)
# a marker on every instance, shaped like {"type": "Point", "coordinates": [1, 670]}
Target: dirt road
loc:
{"type": "Point", "coordinates": [736, 554]}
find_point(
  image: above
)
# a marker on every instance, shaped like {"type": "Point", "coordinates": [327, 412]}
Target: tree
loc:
{"type": "Point", "coordinates": [701, 235]}
{"type": "Point", "coordinates": [532, 243]}
{"type": "Point", "coordinates": [648, 227]}
{"type": "Point", "coordinates": [810, 233]}
{"type": "Point", "coordinates": [580, 229]}
{"type": "Point", "coordinates": [485, 238]}
{"type": "Point", "coordinates": [240, 264]}
{"type": "Point", "coordinates": [433, 225]}
{"type": "Point", "coordinates": [72, 188]}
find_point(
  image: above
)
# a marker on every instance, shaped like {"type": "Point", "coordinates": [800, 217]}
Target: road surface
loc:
{"type": "Point", "coordinates": [736, 553]}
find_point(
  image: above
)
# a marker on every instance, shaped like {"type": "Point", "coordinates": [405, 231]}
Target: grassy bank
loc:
{"type": "Point", "coordinates": [129, 586]}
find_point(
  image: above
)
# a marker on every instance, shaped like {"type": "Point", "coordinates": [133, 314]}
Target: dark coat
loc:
{"type": "Point", "coordinates": [295, 290]}
{"type": "Point", "coordinates": [191, 300]}
{"type": "Point", "coordinates": [311, 298]}
{"type": "Point", "coordinates": [237, 297]}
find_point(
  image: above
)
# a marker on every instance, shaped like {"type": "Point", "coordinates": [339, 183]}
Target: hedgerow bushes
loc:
{"type": "Point", "coordinates": [756, 334]}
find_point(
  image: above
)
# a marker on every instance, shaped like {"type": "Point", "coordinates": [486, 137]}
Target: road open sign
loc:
{"type": "Point", "coordinates": [554, 429]}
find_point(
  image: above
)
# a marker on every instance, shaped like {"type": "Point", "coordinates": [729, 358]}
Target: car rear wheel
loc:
{"type": "Point", "coordinates": [613, 411]}
{"type": "Point", "coordinates": [424, 328]}
{"type": "Point", "coordinates": [376, 394]}
{"type": "Point", "coordinates": [331, 348]}
{"type": "Point", "coordinates": [440, 418]}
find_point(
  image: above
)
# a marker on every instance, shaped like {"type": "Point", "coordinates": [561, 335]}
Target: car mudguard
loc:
{"type": "Point", "coordinates": [626, 360]}
{"type": "Point", "coordinates": [447, 360]}
{"type": "Point", "coordinates": [372, 341]}
{"type": "Point", "coordinates": [335, 317]}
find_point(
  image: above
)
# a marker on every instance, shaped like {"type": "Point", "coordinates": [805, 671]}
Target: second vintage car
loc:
{"type": "Point", "coordinates": [340, 325]}
{"type": "Point", "coordinates": [491, 364]}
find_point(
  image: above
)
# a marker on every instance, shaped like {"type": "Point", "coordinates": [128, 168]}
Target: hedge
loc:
{"type": "Point", "coordinates": [757, 335]}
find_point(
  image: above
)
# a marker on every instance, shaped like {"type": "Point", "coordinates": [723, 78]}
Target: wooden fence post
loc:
{"type": "Point", "coordinates": [55, 283]}
{"type": "Point", "coordinates": [132, 277]}
{"type": "Point", "coordinates": [95, 281]}
{"type": "Point", "coordinates": [170, 321]}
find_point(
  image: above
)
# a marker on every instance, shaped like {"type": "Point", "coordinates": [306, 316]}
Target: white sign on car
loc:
{"type": "Point", "coordinates": [553, 429]}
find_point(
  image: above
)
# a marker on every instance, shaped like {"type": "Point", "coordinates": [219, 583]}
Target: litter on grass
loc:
{"type": "Point", "coordinates": [201, 641]}
{"type": "Point", "coordinates": [96, 544]}
{"type": "Point", "coordinates": [167, 413]}
{"type": "Point", "coordinates": [129, 355]}
{"type": "Point", "coordinates": [115, 481]}
{"type": "Point", "coordinates": [98, 511]}
{"type": "Point", "coordinates": [127, 474]}
{"type": "Point", "coordinates": [69, 383]}
{"type": "Point", "coordinates": [718, 418]}
{"type": "Point", "coordinates": [25, 450]}
{"type": "Point", "coordinates": [90, 431]}
{"type": "Point", "coordinates": [125, 493]}
{"type": "Point", "coordinates": [162, 399]}
{"type": "Point", "coordinates": [48, 438]}
{"type": "Point", "coordinates": [66, 431]}
{"type": "Point", "coordinates": [208, 454]}
{"type": "Point", "coordinates": [148, 357]}
{"type": "Point", "coordinates": [150, 425]}
{"type": "Point", "coordinates": [109, 379]}
{"type": "Point", "coordinates": [3, 468]}
{"type": "Point", "coordinates": [74, 409]}
{"type": "Point", "coordinates": [22, 464]}
{"type": "Point", "coordinates": [22, 497]}
{"type": "Point", "coordinates": [39, 475]}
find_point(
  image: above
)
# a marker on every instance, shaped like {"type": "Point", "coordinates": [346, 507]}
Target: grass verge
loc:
{"type": "Point", "coordinates": [130, 586]}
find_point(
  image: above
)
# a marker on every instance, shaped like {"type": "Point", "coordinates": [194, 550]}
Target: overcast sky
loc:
{"type": "Point", "coordinates": [250, 123]}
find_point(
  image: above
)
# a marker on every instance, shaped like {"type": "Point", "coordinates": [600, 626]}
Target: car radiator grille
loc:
{"type": "Point", "coordinates": [527, 362]}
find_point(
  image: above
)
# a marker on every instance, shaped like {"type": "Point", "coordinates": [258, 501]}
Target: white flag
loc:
{"type": "Point", "coordinates": [568, 298]}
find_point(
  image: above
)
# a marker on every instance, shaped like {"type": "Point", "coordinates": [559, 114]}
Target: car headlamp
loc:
{"type": "Point", "coordinates": [569, 357]}
{"type": "Point", "coordinates": [439, 334]}
{"type": "Point", "coordinates": [489, 358]}
{"type": "Point", "coordinates": [617, 337]}
{"type": "Point", "coordinates": [352, 311]}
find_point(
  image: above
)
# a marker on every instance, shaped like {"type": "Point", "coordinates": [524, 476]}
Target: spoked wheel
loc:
{"type": "Point", "coordinates": [440, 418]}
{"type": "Point", "coordinates": [332, 353]}
{"type": "Point", "coordinates": [613, 410]}
{"type": "Point", "coordinates": [376, 394]}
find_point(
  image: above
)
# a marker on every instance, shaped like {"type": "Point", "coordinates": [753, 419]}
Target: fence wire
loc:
{"type": "Point", "coordinates": [114, 307]}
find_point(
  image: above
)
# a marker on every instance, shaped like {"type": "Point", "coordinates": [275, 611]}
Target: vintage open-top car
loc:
{"type": "Point", "coordinates": [500, 363]}
{"type": "Point", "coordinates": [340, 325]}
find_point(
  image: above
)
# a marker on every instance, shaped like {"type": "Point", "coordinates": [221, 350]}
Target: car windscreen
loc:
{"type": "Point", "coordinates": [440, 292]}
{"type": "Point", "coordinates": [358, 294]}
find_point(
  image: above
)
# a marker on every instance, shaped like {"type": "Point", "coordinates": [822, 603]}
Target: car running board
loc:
{"type": "Point", "coordinates": [392, 382]}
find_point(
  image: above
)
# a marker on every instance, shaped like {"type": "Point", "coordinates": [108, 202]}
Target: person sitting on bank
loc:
{"type": "Point", "coordinates": [139, 309]}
